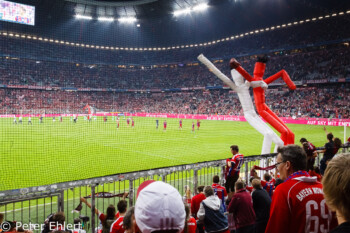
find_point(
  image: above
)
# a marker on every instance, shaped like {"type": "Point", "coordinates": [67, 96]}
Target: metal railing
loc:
{"type": "Point", "coordinates": [34, 204]}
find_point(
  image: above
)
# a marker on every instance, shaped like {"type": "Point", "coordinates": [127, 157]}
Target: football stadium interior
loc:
{"type": "Point", "coordinates": [97, 96]}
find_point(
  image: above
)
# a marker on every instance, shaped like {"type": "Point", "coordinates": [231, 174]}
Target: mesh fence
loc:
{"type": "Point", "coordinates": [69, 95]}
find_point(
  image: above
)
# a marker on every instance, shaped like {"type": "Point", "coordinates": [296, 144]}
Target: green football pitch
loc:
{"type": "Point", "coordinates": [52, 152]}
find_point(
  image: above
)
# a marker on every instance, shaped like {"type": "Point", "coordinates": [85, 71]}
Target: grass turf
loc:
{"type": "Point", "coordinates": [52, 152]}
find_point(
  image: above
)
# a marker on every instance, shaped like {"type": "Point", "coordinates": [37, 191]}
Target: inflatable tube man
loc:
{"type": "Point", "coordinates": [242, 89]}
{"type": "Point", "coordinates": [264, 111]}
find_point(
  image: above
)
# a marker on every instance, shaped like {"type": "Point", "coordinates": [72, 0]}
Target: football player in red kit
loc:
{"type": "Point", "coordinates": [164, 125]}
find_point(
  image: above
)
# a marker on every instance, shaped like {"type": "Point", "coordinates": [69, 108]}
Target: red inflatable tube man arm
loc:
{"type": "Point", "coordinates": [264, 111]}
{"type": "Point", "coordinates": [234, 64]}
{"type": "Point", "coordinates": [284, 75]}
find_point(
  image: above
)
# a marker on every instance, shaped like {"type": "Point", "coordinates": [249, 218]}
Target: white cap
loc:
{"type": "Point", "coordinates": [159, 206]}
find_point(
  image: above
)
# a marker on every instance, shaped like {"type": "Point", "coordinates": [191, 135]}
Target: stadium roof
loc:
{"type": "Point", "coordinates": [157, 24]}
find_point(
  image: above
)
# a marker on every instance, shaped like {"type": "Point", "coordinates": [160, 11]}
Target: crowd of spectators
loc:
{"type": "Point", "coordinates": [329, 101]}
{"type": "Point", "coordinates": [54, 65]}
{"type": "Point", "coordinates": [296, 36]}
{"type": "Point", "coordinates": [302, 65]}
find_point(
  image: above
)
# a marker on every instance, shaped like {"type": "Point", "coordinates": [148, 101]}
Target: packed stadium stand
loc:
{"type": "Point", "coordinates": [321, 102]}
{"type": "Point", "coordinates": [40, 65]}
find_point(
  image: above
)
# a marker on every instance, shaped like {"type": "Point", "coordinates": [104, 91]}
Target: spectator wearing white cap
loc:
{"type": "Point", "coordinates": [211, 212]}
{"type": "Point", "coordinates": [159, 208]}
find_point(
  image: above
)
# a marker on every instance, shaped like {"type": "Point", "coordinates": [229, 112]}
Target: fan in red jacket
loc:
{"type": "Point", "coordinates": [196, 201]}
{"type": "Point", "coordinates": [117, 225]}
{"type": "Point", "coordinates": [241, 205]}
{"type": "Point", "coordinates": [298, 204]}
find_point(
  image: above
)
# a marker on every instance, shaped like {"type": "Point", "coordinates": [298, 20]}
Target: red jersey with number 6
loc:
{"type": "Point", "coordinates": [298, 206]}
{"type": "Point", "coordinates": [117, 225]}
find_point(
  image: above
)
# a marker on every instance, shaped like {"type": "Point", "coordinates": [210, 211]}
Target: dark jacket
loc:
{"type": "Point", "coordinates": [342, 228]}
{"type": "Point", "coordinates": [212, 213]}
{"type": "Point", "coordinates": [261, 204]}
{"type": "Point", "coordinates": [241, 206]}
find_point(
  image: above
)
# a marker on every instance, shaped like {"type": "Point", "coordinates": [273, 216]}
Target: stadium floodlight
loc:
{"type": "Point", "coordinates": [200, 7]}
{"type": "Point", "coordinates": [127, 19]}
{"type": "Point", "coordinates": [105, 19]}
{"type": "Point", "coordinates": [83, 17]}
{"type": "Point", "coordinates": [182, 12]}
